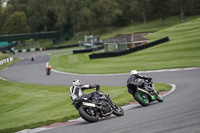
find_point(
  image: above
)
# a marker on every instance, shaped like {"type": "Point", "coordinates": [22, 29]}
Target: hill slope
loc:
{"type": "Point", "coordinates": [183, 50]}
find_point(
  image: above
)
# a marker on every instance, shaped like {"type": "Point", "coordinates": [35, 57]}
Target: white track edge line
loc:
{"type": "Point", "coordinates": [151, 71]}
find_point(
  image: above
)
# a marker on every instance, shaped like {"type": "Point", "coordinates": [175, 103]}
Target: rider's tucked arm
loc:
{"type": "Point", "coordinates": [84, 87]}
{"type": "Point", "coordinates": [144, 77]}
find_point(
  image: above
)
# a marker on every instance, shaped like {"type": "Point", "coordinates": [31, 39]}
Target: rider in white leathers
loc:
{"type": "Point", "coordinates": [77, 89]}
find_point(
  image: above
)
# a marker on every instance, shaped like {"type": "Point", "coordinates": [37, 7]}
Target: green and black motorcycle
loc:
{"type": "Point", "coordinates": [143, 95]}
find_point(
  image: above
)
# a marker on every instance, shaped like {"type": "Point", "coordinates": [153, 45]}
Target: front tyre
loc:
{"type": "Point", "coordinates": [88, 114]}
{"type": "Point", "coordinates": [159, 98]}
{"type": "Point", "coordinates": [141, 98]}
{"type": "Point", "coordinates": [117, 110]}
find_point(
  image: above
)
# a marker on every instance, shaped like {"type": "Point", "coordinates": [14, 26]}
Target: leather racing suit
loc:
{"type": "Point", "coordinates": [77, 91]}
{"type": "Point", "coordinates": [136, 80]}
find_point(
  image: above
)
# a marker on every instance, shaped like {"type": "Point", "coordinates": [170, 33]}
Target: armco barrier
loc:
{"type": "Point", "coordinates": [40, 49]}
{"type": "Point", "coordinates": [24, 50]}
{"type": "Point", "coordinates": [88, 50]}
{"type": "Point", "coordinates": [83, 50]}
{"type": "Point", "coordinates": [60, 47]}
{"type": "Point", "coordinates": [114, 54]}
{"type": "Point", "coordinates": [28, 50]}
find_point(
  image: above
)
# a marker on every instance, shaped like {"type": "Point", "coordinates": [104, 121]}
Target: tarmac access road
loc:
{"type": "Point", "coordinates": [179, 113]}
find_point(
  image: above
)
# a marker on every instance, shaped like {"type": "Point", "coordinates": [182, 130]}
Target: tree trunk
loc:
{"type": "Point", "coordinates": [163, 21]}
{"type": "Point", "coordinates": [144, 18]}
{"type": "Point", "coordinates": [45, 28]}
{"type": "Point", "coordinates": [182, 12]}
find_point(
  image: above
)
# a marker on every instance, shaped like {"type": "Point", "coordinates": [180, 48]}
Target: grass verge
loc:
{"type": "Point", "coordinates": [4, 56]}
{"type": "Point", "coordinates": [25, 106]}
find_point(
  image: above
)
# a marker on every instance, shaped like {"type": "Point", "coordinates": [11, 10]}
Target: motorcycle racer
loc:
{"type": "Point", "coordinates": [135, 78]}
{"type": "Point", "coordinates": [48, 69]}
{"type": "Point", "coordinates": [94, 105]}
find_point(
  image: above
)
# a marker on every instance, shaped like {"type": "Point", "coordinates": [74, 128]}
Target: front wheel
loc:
{"type": "Point", "coordinates": [117, 110]}
{"type": "Point", "coordinates": [141, 98]}
{"type": "Point", "coordinates": [88, 114]}
{"type": "Point", "coordinates": [160, 98]}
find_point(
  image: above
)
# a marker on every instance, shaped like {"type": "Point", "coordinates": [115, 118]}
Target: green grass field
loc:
{"type": "Point", "coordinates": [151, 26]}
{"type": "Point", "coordinates": [25, 106]}
{"type": "Point", "coordinates": [183, 50]}
{"type": "Point", "coordinates": [3, 56]}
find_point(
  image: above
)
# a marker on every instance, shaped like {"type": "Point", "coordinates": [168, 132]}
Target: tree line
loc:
{"type": "Point", "coordinates": [74, 16]}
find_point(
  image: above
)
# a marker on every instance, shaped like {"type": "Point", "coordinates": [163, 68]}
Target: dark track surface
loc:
{"type": "Point", "coordinates": [179, 113]}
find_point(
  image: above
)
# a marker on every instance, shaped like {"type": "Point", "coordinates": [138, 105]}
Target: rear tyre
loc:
{"type": "Point", "coordinates": [48, 73]}
{"type": "Point", "coordinates": [88, 114]}
{"type": "Point", "coordinates": [141, 98]}
{"type": "Point", "coordinates": [117, 110]}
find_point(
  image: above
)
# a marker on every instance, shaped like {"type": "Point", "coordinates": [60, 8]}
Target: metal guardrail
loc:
{"type": "Point", "coordinates": [88, 50]}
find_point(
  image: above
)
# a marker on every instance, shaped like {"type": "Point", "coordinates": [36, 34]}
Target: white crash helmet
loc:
{"type": "Point", "coordinates": [133, 72]}
{"type": "Point", "coordinates": [76, 82]}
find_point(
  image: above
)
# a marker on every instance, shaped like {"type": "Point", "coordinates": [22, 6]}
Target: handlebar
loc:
{"type": "Point", "coordinates": [97, 87]}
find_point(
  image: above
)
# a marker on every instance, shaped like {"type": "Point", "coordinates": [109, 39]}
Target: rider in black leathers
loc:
{"type": "Point", "coordinates": [135, 79]}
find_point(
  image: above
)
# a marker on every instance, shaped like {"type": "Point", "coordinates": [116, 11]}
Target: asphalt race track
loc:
{"type": "Point", "coordinates": [179, 113]}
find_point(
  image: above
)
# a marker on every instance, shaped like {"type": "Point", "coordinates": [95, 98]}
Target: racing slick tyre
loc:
{"type": "Point", "coordinates": [141, 98]}
{"type": "Point", "coordinates": [48, 72]}
{"type": "Point", "coordinates": [117, 110]}
{"type": "Point", "coordinates": [88, 114]}
{"type": "Point", "coordinates": [159, 98]}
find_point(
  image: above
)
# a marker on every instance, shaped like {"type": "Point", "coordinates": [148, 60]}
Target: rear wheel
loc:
{"type": "Point", "coordinates": [141, 98]}
{"type": "Point", "coordinates": [48, 72]}
{"type": "Point", "coordinates": [117, 110]}
{"type": "Point", "coordinates": [88, 114]}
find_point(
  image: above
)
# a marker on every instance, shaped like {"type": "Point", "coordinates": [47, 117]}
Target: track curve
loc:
{"type": "Point", "coordinates": [179, 113]}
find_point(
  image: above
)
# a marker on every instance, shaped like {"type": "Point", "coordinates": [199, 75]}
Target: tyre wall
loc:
{"type": "Point", "coordinates": [114, 54]}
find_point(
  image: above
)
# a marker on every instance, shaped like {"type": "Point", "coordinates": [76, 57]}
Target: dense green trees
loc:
{"type": "Point", "coordinates": [16, 24]}
{"type": "Point", "coordinates": [75, 16]}
{"type": "Point", "coordinates": [161, 9]}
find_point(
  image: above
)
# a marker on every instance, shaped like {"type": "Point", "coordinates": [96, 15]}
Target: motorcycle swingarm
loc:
{"type": "Point", "coordinates": [141, 90]}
